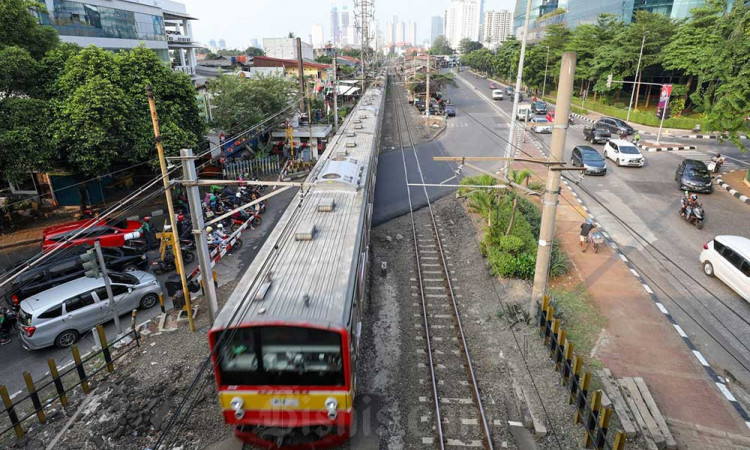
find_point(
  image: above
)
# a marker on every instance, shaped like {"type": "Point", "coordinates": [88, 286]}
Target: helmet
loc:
{"type": "Point", "coordinates": [209, 229]}
{"type": "Point", "coordinates": [167, 227]}
{"type": "Point", "coordinates": [694, 197]}
{"type": "Point", "coordinates": [588, 221]}
{"type": "Point", "coordinates": [180, 217]}
{"type": "Point", "coordinates": [220, 226]}
{"type": "Point", "coordinates": [147, 219]}
{"type": "Point", "coordinates": [238, 195]}
{"type": "Point", "coordinates": [687, 194]}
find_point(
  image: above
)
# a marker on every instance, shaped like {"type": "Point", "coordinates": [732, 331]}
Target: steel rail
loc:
{"type": "Point", "coordinates": [475, 387]}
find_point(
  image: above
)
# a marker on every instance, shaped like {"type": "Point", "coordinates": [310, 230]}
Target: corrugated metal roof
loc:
{"type": "Point", "coordinates": [324, 268]}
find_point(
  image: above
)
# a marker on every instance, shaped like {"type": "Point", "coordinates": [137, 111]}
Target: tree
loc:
{"type": "Point", "coordinates": [441, 46]}
{"type": "Point", "coordinates": [324, 59]}
{"type": "Point", "coordinates": [243, 102]}
{"type": "Point", "coordinates": [17, 71]}
{"type": "Point", "coordinates": [24, 139]}
{"type": "Point", "coordinates": [437, 81]}
{"type": "Point", "coordinates": [254, 51]}
{"type": "Point", "coordinates": [466, 45]}
{"type": "Point", "coordinates": [20, 27]}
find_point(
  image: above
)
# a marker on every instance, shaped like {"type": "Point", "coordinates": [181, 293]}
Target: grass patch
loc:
{"type": "Point", "coordinates": [579, 316]}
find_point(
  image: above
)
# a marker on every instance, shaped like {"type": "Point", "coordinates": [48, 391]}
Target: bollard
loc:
{"type": "Point", "coordinates": [216, 280]}
{"type": "Point", "coordinates": [548, 324]}
{"type": "Point", "coordinates": [58, 383]}
{"type": "Point", "coordinates": [554, 343]}
{"type": "Point", "coordinates": [105, 348]}
{"type": "Point", "coordinates": [81, 371]}
{"type": "Point", "coordinates": [133, 327]}
{"type": "Point", "coordinates": [575, 379]}
{"type": "Point", "coordinates": [619, 443]}
{"type": "Point", "coordinates": [568, 361]}
{"type": "Point", "coordinates": [561, 340]}
{"type": "Point", "coordinates": [34, 397]}
{"type": "Point", "coordinates": [161, 303]}
{"type": "Point", "coordinates": [11, 412]}
{"type": "Point", "coordinates": [604, 416]}
{"type": "Point", "coordinates": [581, 396]}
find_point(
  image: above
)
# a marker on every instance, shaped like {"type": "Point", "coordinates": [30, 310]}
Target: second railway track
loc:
{"type": "Point", "coordinates": [459, 416]}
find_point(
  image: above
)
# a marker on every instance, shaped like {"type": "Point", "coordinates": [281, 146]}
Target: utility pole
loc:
{"type": "Point", "coordinates": [335, 95]}
{"type": "Point", "coordinates": [303, 92]}
{"type": "Point", "coordinates": [509, 147]}
{"type": "Point", "coordinates": [108, 286]}
{"type": "Point", "coordinates": [546, 63]}
{"type": "Point", "coordinates": [663, 115]}
{"type": "Point", "coordinates": [167, 190]}
{"type": "Point", "coordinates": [552, 189]}
{"type": "Point", "coordinates": [196, 213]}
{"type": "Point", "coordinates": [632, 92]}
{"type": "Point", "coordinates": [428, 97]}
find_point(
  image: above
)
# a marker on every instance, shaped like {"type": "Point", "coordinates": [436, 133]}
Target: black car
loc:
{"type": "Point", "coordinates": [588, 157]}
{"type": "Point", "coordinates": [419, 104]}
{"type": "Point", "coordinates": [450, 110]}
{"type": "Point", "coordinates": [597, 133]}
{"type": "Point", "coordinates": [693, 175]}
{"type": "Point", "coordinates": [539, 107]}
{"type": "Point", "coordinates": [615, 126]}
{"type": "Point", "coordinates": [68, 268]}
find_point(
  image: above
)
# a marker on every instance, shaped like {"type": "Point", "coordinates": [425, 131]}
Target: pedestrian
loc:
{"type": "Point", "coordinates": [145, 230]}
{"type": "Point", "coordinates": [586, 228]}
{"type": "Point", "coordinates": [637, 137]}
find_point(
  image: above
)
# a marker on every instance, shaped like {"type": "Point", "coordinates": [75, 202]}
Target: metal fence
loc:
{"type": "Point", "coordinates": [251, 168]}
{"type": "Point", "coordinates": [589, 410]}
{"type": "Point", "coordinates": [18, 411]}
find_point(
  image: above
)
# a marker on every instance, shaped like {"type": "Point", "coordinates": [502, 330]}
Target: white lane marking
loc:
{"type": "Point", "coordinates": [662, 308]}
{"type": "Point", "coordinates": [514, 423]}
{"type": "Point", "coordinates": [622, 257]}
{"type": "Point", "coordinates": [679, 330]}
{"type": "Point", "coordinates": [648, 289]}
{"type": "Point", "coordinates": [726, 392]}
{"type": "Point", "coordinates": [634, 272]}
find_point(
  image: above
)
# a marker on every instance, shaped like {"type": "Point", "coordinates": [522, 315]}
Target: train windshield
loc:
{"type": "Point", "coordinates": [284, 356]}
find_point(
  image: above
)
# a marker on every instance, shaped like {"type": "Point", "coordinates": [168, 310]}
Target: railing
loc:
{"type": "Point", "coordinates": [184, 69]}
{"type": "Point", "coordinates": [179, 38]}
{"type": "Point", "coordinates": [14, 408]}
{"type": "Point", "coordinates": [589, 409]}
{"type": "Point", "coordinates": [251, 168]}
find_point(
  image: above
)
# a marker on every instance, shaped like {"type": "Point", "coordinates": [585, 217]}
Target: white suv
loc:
{"type": "Point", "coordinates": [728, 259]}
{"type": "Point", "coordinates": [497, 94]}
{"type": "Point", "coordinates": [624, 153]}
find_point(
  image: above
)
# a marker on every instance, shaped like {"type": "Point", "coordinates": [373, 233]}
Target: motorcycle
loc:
{"type": "Point", "coordinates": [697, 217]}
{"type": "Point", "coordinates": [596, 239]}
{"type": "Point", "coordinates": [167, 264]}
{"type": "Point", "coordinates": [715, 165]}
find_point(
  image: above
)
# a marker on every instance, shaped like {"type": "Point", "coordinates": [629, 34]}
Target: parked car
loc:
{"type": "Point", "coordinates": [539, 107]}
{"type": "Point", "coordinates": [59, 316]}
{"type": "Point", "coordinates": [109, 233]}
{"type": "Point", "coordinates": [450, 110]}
{"type": "Point", "coordinates": [596, 134]}
{"type": "Point", "coordinates": [728, 259]}
{"type": "Point", "coordinates": [497, 94]}
{"type": "Point", "coordinates": [693, 175]}
{"type": "Point", "coordinates": [615, 126]}
{"type": "Point", "coordinates": [419, 103]}
{"type": "Point", "coordinates": [540, 125]}
{"type": "Point", "coordinates": [624, 153]}
{"type": "Point", "coordinates": [588, 157]}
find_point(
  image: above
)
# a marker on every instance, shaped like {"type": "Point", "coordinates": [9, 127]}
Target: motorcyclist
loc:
{"type": "Point", "coordinates": [586, 228]}
{"type": "Point", "coordinates": [4, 327]}
{"type": "Point", "coordinates": [183, 230]}
{"type": "Point", "coordinates": [691, 203]}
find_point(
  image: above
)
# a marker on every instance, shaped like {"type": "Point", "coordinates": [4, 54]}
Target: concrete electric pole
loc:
{"type": "Point", "coordinates": [108, 287]}
{"type": "Point", "coordinates": [428, 97]}
{"type": "Point", "coordinates": [303, 93]}
{"type": "Point", "coordinates": [514, 111]}
{"type": "Point", "coordinates": [201, 244]}
{"type": "Point", "coordinates": [335, 95]}
{"type": "Point", "coordinates": [552, 188]}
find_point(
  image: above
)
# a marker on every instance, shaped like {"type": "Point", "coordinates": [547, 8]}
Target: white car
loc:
{"type": "Point", "coordinates": [624, 153]}
{"type": "Point", "coordinates": [728, 259]}
{"type": "Point", "coordinates": [540, 125]}
{"type": "Point", "coordinates": [497, 94]}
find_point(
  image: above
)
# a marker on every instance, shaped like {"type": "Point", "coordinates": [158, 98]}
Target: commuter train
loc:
{"type": "Point", "coordinates": [285, 345]}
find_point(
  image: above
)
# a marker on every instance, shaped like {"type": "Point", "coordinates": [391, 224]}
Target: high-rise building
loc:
{"type": "Point", "coordinates": [411, 33]}
{"type": "Point", "coordinates": [400, 32]}
{"type": "Point", "coordinates": [222, 44]}
{"type": "Point", "coordinates": [334, 26]}
{"type": "Point", "coordinates": [462, 21]}
{"type": "Point", "coordinates": [497, 26]}
{"type": "Point", "coordinates": [436, 29]}
{"type": "Point", "coordinates": [344, 31]}
{"type": "Point", "coordinates": [389, 37]}
{"type": "Point", "coordinates": [212, 45]}
{"type": "Point", "coordinates": [317, 39]}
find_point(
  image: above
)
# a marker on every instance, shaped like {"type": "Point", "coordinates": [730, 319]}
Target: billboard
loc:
{"type": "Point", "coordinates": [666, 91]}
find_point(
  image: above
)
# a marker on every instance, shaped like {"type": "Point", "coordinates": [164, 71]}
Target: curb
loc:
{"type": "Point", "coordinates": [717, 381]}
{"type": "Point", "coordinates": [666, 149]}
{"type": "Point", "coordinates": [706, 136]}
{"type": "Point", "coordinates": [20, 243]}
{"type": "Point", "coordinates": [737, 195]}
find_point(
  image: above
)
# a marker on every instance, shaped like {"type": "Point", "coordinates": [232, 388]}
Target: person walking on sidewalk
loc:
{"type": "Point", "coordinates": [586, 228]}
{"type": "Point", "coordinates": [145, 230]}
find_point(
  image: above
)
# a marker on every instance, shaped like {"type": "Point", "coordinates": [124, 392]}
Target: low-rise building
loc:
{"type": "Point", "coordinates": [286, 48]}
{"type": "Point", "coordinates": [310, 69]}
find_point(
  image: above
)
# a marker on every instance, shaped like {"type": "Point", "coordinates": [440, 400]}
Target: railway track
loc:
{"type": "Point", "coordinates": [459, 416]}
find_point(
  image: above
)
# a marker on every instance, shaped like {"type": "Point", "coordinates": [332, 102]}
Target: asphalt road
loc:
{"type": "Point", "coordinates": [16, 360]}
{"type": "Point", "coordinates": [639, 208]}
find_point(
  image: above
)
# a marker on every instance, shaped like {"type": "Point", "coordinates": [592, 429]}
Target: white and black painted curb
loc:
{"type": "Point", "coordinates": [718, 381]}
{"type": "Point", "coordinates": [742, 198]}
{"type": "Point", "coordinates": [665, 149]}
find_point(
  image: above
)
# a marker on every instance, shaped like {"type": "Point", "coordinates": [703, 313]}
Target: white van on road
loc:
{"type": "Point", "coordinates": [728, 259]}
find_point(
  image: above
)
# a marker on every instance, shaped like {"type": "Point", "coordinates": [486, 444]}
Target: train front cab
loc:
{"type": "Point", "coordinates": [277, 379]}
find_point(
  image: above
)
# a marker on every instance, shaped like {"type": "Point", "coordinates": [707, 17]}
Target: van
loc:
{"type": "Point", "coordinates": [728, 259]}
{"type": "Point", "coordinates": [524, 111]}
{"type": "Point", "coordinates": [59, 316]}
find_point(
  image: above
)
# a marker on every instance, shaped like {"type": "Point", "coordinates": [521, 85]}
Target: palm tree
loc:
{"type": "Point", "coordinates": [519, 177]}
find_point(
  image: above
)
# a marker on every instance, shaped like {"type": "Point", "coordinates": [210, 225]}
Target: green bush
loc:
{"type": "Point", "coordinates": [511, 244]}
{"type": "Point", "coordinates": [537, 186]}
{"type": "Point", "coordinates": [559, 261]}
{"type": "Point", "coordinates": [512, 266]}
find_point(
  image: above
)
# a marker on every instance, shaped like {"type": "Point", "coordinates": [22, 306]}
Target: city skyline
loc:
{"type": "Point", "coordinates": [243, 25]}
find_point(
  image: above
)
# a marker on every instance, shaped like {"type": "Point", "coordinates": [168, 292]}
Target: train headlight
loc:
{"type": "Point", "coordinates": [239, 414]}
{"type": "Point", "coordinates": [236, 404]}
{"type": "Point", "coordinates": [331, 404]}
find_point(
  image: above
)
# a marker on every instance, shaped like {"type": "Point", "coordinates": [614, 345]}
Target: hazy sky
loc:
{"type": "Point", "coordinates": [239, 21]}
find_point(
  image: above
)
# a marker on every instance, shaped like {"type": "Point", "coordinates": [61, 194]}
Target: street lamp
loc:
{"type": "Point", "coordinates": [544, 85]}
{"type": "Point", "coordinates": [638, 69]}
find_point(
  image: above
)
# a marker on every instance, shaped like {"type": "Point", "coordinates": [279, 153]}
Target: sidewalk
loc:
{"type": "Point", "coordinates": [734, 182]}
{"type": "Point", "coordinates": [642, 342]}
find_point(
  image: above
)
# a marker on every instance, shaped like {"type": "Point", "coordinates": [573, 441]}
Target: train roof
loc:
{"type": "Point", "coordinates": [305, 271]}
